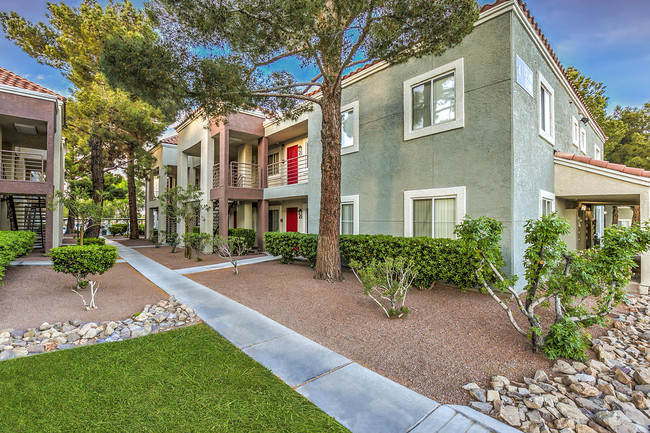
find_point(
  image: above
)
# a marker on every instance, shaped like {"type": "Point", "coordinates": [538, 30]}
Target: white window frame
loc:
{"type": "Point", "coordinates": [354, 201]}
{"type": "Point", "coordinates": [457, 192]}
{"type": "Point", "coordinates": [546, 135]}
{"type": "Point", "coordinates": [458, 68]}
{"type": "Point", "coordinates": [583, 139]}
{"type": "Point", "coordinates": [354, 106]}
{"type": "Point", "coordinates": [276, 174]}
{"type": "Point", "coordinates": [575, 131]}
{"type": "Point", "coordinates": [543, 196]}
{"type": "Point", "coordinates": [598, 152]}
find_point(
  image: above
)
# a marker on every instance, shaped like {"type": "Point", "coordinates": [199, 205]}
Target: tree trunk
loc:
{"type": "Point", "coordinates": [69, 228]}
{"type": "Point", "coordinates": [328, 259]}
{"type": "Point", "coordinates": [97, 178]}
{"type": "Point", "coordinates": [133, 200]}
{"type": "Point", "coordinates": [614, 215]}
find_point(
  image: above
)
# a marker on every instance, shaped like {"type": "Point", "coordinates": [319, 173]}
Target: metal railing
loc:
{"type": "Point", "coordinates": [240, 175]}
{"type": "Point", "coordinates": [288, 172]}
{"type": "Point", "coordinates": [22, 166]}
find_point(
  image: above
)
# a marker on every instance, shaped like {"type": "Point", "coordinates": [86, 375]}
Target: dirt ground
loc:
{"type": "Point", "coordinates": [449, 339]}
{"type": "Point", "coordinates": [130, 242]}
{"type": "Point", "coordinates": [176, 260]}
{"type": "Point", "coordinates": [32, 295]}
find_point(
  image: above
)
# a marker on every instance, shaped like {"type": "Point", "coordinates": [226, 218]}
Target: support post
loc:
{"type": "Point", "coordinates": [644, 210]}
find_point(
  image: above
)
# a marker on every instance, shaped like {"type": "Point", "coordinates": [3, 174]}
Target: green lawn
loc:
{"type": "Point", "coordinates": [187, 380]}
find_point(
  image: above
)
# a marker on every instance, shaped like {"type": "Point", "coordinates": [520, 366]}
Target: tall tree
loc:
{"type": "Point", "coordinates": [593, 93]}
{"type": "Point", "coordinates": [241, 48]}
{"type": "Point", "coordinates": [73, 40]}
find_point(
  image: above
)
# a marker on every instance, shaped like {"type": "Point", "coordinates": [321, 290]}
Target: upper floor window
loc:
{"type": "Point", "coordinates": [274, 166]}
{"type": "Point", "coordinates": [433, 102]}
{"type": "Point", "coordinates": [156, 186]}
{"type": "Point", "coordinates": [583, 139]}
{"type": "Point", "coordinates": [433, 212]}
{"type": "Point", "coordinates": [598, 153]}
{"type": "Point", "coordinates": [575, 132]}
{"type": "Point", "coordinates": [350, 128]}
{"type": "Point", "coordinates": [546, 203]}
{"type": "Point", "coordinates": [546, 110]}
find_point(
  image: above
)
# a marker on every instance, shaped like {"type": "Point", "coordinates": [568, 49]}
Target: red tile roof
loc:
{"type": "Point", "coordinates": [544, 41]}
{"type": "Point", "coordinates": [8, 78]}
{"type": "Point", "coordinates": [604, 164]}
{"type": "Point", "coordinates": [172, 139]}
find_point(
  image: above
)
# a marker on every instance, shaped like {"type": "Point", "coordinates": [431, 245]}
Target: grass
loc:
{"type": "Point", "coordinates": [189, 380]}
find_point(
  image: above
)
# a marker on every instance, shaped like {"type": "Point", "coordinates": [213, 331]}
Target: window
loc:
{"type": "Point", "coordinates": [274, 167]}
{"type": "Point", "coordinates": [598, 154]}
{"type": "Point", "coordinates": [433, 102]}
{"type": "Point", "coordinates": [546, 110]}
{"type": "Point", "coordinates": [575, 132]}
{"type": "Point", "coordinates": [546, 203]}
{"type": "Point", "coordinates": [274, 220]}
{"type": "Point", "coordinates": [433, 212]}
{"type": "Point", "coordinates": [350, 215]}
{"type": "Point", "coordinates": [350, 128]}
{"type": "Point", "coordinates": [583, 139]}
{"type": "Point", "coordinates": [156, 186]}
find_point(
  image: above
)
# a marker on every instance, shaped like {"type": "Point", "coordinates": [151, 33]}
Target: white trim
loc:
{"type": "Point", "coordinates": [29, 93]}
{"type": "Point", "coordinates": [457, 192]}
{"type": "Point", "coordinates": [613, 174]}
{"type": "Point", "coordinates": [545, 195]}
{"type": "Point", "coordinates": [546, 135]}
{"type": "Point", "coordinates": [354, 200]}
{"type": "Point", "coordinates": [575, 131]}
{"type": "Point", "coordinates": [583, 140]}
{"type": "Point", "coordinates": [354, 106]}
{"type": "Point", "coordinates": [458, 68]}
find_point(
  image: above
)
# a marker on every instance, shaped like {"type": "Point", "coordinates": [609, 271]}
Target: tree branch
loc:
{"type": "Point", "coordinates": [293, 96]}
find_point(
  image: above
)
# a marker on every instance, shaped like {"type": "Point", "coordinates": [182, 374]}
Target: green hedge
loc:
{"type": "Point", "coordinates": [92, 241]}
{"type": "Point", "coordinates": [249, 235]}
{"type": "Point", "coordinates": [445, 260]}
{"type": "Point", "coordinates": [83, 260]}
{"type": "Point", "coordinates": [14, 244]}
{"type": "Point", "coordinates": [118, 229]}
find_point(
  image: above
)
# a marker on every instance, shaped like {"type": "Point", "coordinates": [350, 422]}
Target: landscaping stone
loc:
{"type": "Point", "coordinates": [59, 336]}
{"type": "Point", "coordinates": [598, 396]}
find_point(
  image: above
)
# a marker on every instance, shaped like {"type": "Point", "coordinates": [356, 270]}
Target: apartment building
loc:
{"type": "Point", "coordinates": [32, 160]}
{"type": "Point", "coordinates": [491, 127]}
{"type": "Point", "coordinates": [163, 176]}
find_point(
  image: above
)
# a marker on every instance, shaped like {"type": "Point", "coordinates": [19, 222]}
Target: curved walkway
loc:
{"type": "Point", "coordinates": [358, 398]}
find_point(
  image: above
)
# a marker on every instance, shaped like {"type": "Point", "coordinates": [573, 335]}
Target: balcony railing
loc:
{"type": "Point", "coordinates": [240, 175]}
{"type": "Point", "coordinates": [288, 172]}
{"type": "Point", "coordinates": [24, 166]}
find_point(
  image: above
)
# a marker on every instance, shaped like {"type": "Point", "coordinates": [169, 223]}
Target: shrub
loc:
{"type": "Point", "coordinates": [118, 229]}
{"type": "Point", "coordinates": [197, 242]}
{"type": "Point", "coordinates": [81, 261]}
{"type": "Point", "coordinates": [249, 236]}
{"type": "Point", "coordinates": [14, 244]}
{"type": "Point", "coordinates": [445, 260]}
{"type": "Point", "coordinates": [92, 241]}
{"type": "Point", "coordinates": [141, 229]}
{"type": "Point", "coordinates": [566, 339]}
{"type": "Point", "coordinates": [387, 282]}
{"type": "Point", "coordinates": [230, 248]}
{"type": "Point", "coordinates": [171, 238]}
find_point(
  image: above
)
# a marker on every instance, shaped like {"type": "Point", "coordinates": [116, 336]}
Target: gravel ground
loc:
{"type": "Point", "coordinates": [32, 295]}
{"type": "Point", "coordinates": [177, 261]}
{"type": "Point", "coordinates": [130, 242]}
{"type": "Point", "coordinates": [449, 339]}
{"type": "Point", "coordinates": [37, 255]}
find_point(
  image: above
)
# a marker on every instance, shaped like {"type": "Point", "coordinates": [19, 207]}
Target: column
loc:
{"type": "Point", "coordinates": [181, 178]}
{"type": "Point", "coordinates": [262, 205]}
{"type": "Point", "coordinates": [207, 159]}
{"type": "Point", "coordinates": [262, 222]}
{"type": "Point", "coordinates": [224, 158]}
{"type": "Point", "coordinates": [644, 202]}
{"type": "Point", "coordinates": [49, 176]}
{"type": "Point", "coordinates": [162, 187]}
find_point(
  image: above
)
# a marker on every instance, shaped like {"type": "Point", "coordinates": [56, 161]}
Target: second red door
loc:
{"type": "Point", "coordinates": [292, 219]}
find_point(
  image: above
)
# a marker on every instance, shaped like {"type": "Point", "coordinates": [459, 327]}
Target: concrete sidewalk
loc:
{"type": "Point", "coordinates": [358, 398]}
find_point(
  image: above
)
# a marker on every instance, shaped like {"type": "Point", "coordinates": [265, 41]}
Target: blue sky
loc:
{"type": "Point", "coordinates": [606, 40]}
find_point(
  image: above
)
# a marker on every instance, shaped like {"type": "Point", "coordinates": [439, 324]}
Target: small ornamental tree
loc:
{"type": "Point", "coordinates": [230, 249]}
{"type": "Point", "coordinates": [171, 238]}
{"type": "Point", "coordinates": [82, 261]}
{"type": "Point", "coordinates": [183, 205]}
{"type": "Point", "coordinates": [197, 242]}
{"type": "Point", "coordinates": [81, 205]}
{"type": "Point", "coordinates": [556, 276]}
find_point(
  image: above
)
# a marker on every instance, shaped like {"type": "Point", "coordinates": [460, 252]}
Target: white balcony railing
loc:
{"type": "Point", "coordinates": [240, 175]}
{"type": "Point", "coordinates": [288, 172]}
{"type": "Point", "coordinates": [24, 166]}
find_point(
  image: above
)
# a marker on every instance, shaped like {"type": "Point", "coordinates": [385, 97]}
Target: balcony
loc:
{"type": "Point", "coordinates": [240, 175]}
{"type": "Point", "coordinates": [288, 172]}
{"type": "Point", "coordinates": [22, 166]}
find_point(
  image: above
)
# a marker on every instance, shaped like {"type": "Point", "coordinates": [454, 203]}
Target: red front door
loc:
{"type": "Point", "coordinates": [292, 219]}
{"type": "Point", "coordinates": [292, 165]}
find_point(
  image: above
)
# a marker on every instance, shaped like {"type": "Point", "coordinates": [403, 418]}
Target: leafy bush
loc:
{"type": "Point", "coordinates": [118, 229]}
{"type": "Point", "coordinates": [171, 238]}
{"type": "Point", "coordinates": [81, 261]}
{"type": "Point", "coordinates": [445, 260]}
{"type": "Point", "coordinates": [566, 339]}
{"type": "Point", "coordinates": [140, 229]}
{"type": "Point", "coordinates": [14, 244]}
{"type": "Point", "coordinates": [387, 282]}
{"type": "Point", "coordinates": [249, 236]}
{"type": "Point", "coordinates": [92, 241]}
{"type": "Point", "coordinates": [197, 242]}
{"type": "Point", "coordinates": [230, 248]}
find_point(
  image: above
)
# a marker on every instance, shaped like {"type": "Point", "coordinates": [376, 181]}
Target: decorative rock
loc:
{"type": "Point", "coordinates": [581, 428]}
{"type": "Point", "coordinates": [615, 421]}
{"type": "Point", "coordinates": [565, 423]}
{"type": "Point", "coordinates": [584, 389]}
{"type": "Point", "coordinates": [7, 354]}
{"type": "Point", "coordinates": [642, 376]}
{"type": "Point", "coordinates": [510, 414]}
{"type": "Point", "coordinates": [540, 376]}
{"type": "Point", "coordinates": [492, 395]}
{"type": "Point", "coordinates": [44, 326]}
{"type": "Point", "coordinates": [20, 352]}
{"type": "Point", "coordinates": [65, 346]}
{"type": "Point", "coordinates": [572, 412]}
{"type": "Point", "coordinates": [91, 333]}
{"type": "Point", "coordinates": [534, 402]}
{"type": "Point", "coordinates": [638, 399]}
{"type": "Point", "coordinates": [622, 377]}
{"type": "Point", "coordinates": [485, 408]}
{"type": "Point", "coordinates": [563, 367]}
{"type": "Point", "coordinates": [17, 334]}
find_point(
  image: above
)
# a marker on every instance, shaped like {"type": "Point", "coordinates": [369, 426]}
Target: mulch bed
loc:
{"type": "Point", "coordinates": [32, 295]}
{"type": "Point", "coordinates": [450, 338]}
{"type": "Point", "coordinates": [176, 260]}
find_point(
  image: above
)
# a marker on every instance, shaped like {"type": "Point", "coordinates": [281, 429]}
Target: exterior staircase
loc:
{"type": "Point", "coordinates": [28, 213]}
